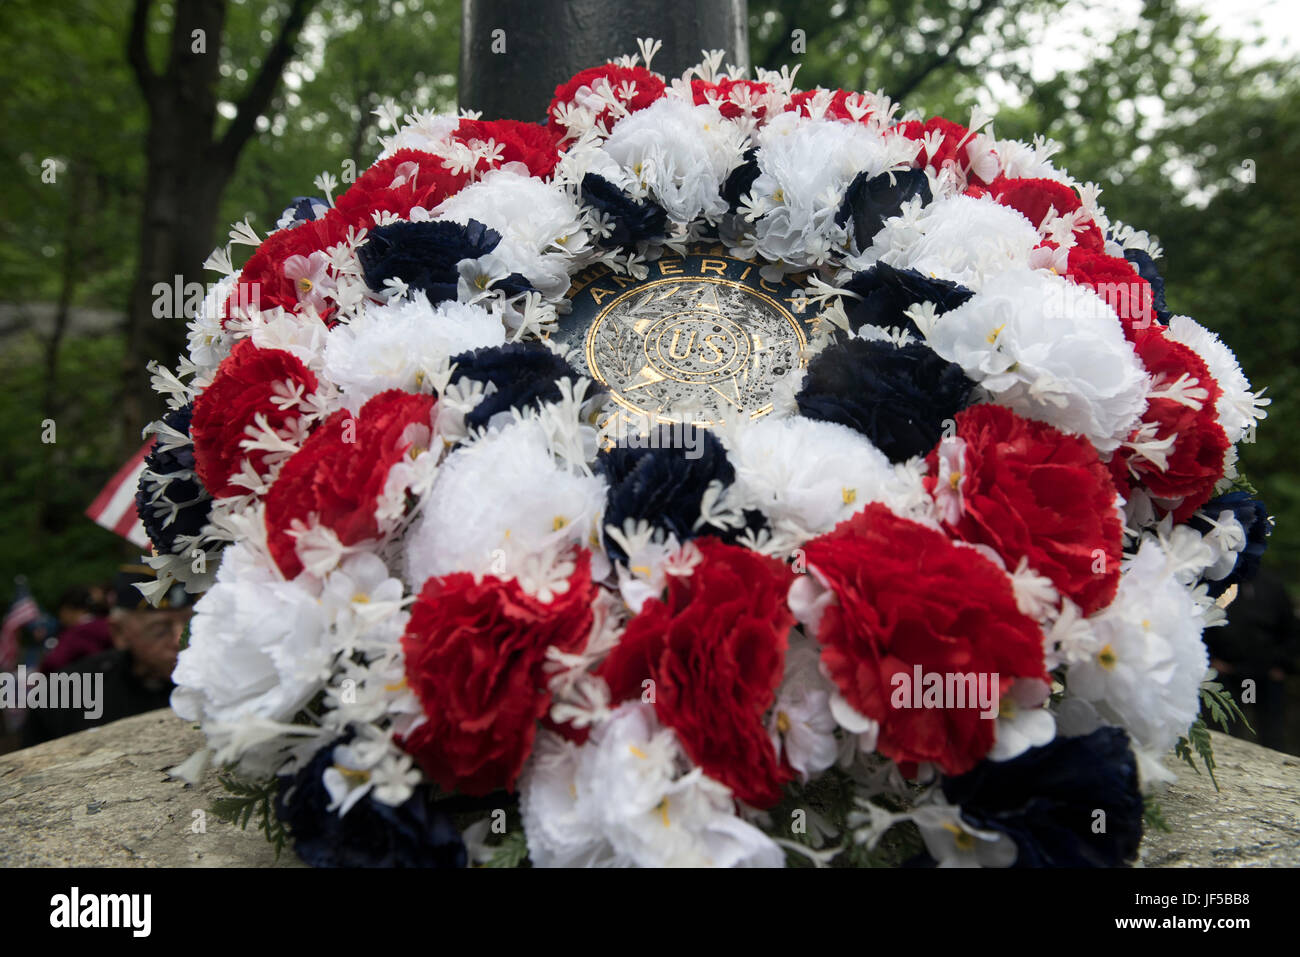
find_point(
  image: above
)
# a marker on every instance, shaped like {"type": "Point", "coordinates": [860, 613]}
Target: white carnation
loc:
{"type": "Point", "coordinates": [805, 165]}
{"type": "Point", "coordinates": [403, 345]}
{"type": "Point", "coordinates": [277, 329]}
{"type": "Point", "coordinates": [621, 799]}
{"type": "Point", "coordinates": [1021, 160]}
{"type": "Point", "coordinates": [682, 154]}
{"type": "Point", "coordinates": [1049, 349]}
{"type": "Point", "coordinates": [1146, 673]}
{"type": "Point", "coordinates": [808, 476]}
{"type": "Point", "coordinates": [259, 646]}
{"type": "Point", "coordinates": [1238, 407]}
{"type": "Point", "coordinates": [539, 226]}
{"type": "Point", "coordinates": [960, 238]}
{"type": "Point", "coordinates": [501, 504]}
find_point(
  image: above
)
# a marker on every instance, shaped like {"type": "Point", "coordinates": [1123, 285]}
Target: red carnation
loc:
{"type": "Point", "coordinates": [475, 651]}
{"type": "Point", "coordinates": [953, 149]}
{"type": "Point", "coordinates": [715, 650]}
{"type": "Point", "coordinates": [1118, 283]}
{"type": "Point", "coordinates": [1036, 198]}
{"type": "Point", "coordinates": [1186, 480]}
{"type": "Point", "coordinates": [909, 596]}
{"type": "Point", "coordinates": [246, 385]}
{"type": "Point", "coordinates": [648, 88]}
{"type": "Point", "coordinates": [721, 94]}
{"type": "Point", "coordinates": [263, 282]}
{"type": "Point", "coordinates": [1119, 471]}
{"type": "Point", "coordinates": [532, 144]}
{"type": "Point", "coordinates": [341, 470]}
{"type": "Point", "coordinates": [405, 180]}
{"type": "Point", "coordinates": [1030, 491]}
{"type": "Point", "coordinates": [836, 110]}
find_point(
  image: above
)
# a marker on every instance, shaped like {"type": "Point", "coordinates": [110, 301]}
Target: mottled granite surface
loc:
{"type": "Point", "coordinates": [1253, 821]}
{"type": "Point", "coordinates": [104, 798]}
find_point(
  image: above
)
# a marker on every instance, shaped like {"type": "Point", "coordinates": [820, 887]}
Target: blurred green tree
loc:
{"type": "Point", "coordinates": [190, 154]}
{"type": "Point", "coordinates": [71, 230]}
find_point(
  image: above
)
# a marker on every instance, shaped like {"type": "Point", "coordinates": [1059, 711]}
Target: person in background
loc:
{"type": "Point", "coordinates": [1259, 645]}
{"type": "Point", "coordinates": [83, 618]}
{"type": "Point", "coordinates": [105, 594]}
{"type": "Point", "coordinates": [136, 670]}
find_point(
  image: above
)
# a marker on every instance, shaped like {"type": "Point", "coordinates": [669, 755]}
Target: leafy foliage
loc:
{"type": "Point", "coordinates": [511, 852]}
{"type": "Point", "coordinates": [1218, 701]}
{"type": "Point", "coordinates": [1198, 739]}
{"type": "Point", "coordinates": [248, 799]}
{"type": "Point", "coordinates": [1153, 816]}
{"type": "Point", "coordinates": [816, 815]}
{"type": "Point", "coordinates": [1223, 710]}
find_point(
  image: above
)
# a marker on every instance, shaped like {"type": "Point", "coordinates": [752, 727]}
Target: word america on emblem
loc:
{"type": "Point", "coordinates": [704, 337]}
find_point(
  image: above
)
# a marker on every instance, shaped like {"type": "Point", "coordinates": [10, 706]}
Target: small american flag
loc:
{"type": "Point", "coordinates": [22, 612]}
{"type": "Point", "coordinates": [114, 507]}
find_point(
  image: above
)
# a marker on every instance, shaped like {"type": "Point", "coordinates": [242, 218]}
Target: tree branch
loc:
{"type": "Point", "coordinates": [968, 25]}
{"type": "Point", "coordinates": [137, 49]}
{"type": "Point", "coordinates": [258, 95]}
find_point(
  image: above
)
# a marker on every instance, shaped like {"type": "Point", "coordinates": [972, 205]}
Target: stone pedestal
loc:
{"type": "Point", "coordinates": [1254, 821]}
{"type": "Point", "coordinates": [103, 798]}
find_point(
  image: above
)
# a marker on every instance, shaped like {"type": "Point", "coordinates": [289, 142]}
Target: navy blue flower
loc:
{"type": "Point", "coordinates": [633, 219]}
{"type": "Point", "coordinates": [304, 209]}
{"type": "Point", "coordinates": [170, 498]}
{"type": "Point", "coordinates": [664, 485]}
{"type": "Point", "coordinates": [1046, 800]}
{"type": "Point", "coordinates": [871, 201]}
{"type": "Point", "coordinates": [1146, 267]}
{"type": "Point", "coordinates": [887, 293]}
{"type": "Point", "coordinates": [371, 834]}
{"type": "Point", "coordinates": [513, 284]}
{"type": "Point", "coordinates": [425, 255]}
{"type": "Point", "coordinates": [1253, 516]}
{"type": "Point", "coordinates": [526, 374]}
{"type": "Point", "coordinates": [741, 180]}
{"type": "Point", "coordinates": [898, 397]}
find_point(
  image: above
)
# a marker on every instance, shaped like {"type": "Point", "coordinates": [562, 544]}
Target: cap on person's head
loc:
{"type": "Point", "coordinates": [130, 599]}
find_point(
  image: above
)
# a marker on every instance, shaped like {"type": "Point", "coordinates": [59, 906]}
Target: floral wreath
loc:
{"type": "Point", "coordinates": [941, 602]}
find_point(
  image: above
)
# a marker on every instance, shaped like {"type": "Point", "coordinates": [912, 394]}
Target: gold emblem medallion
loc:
{"type": "Point", "coordinates": [700, 340]}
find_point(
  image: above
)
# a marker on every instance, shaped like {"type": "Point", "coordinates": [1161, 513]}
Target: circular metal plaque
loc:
{"type": "Point", "coordinates": [701, 339]}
